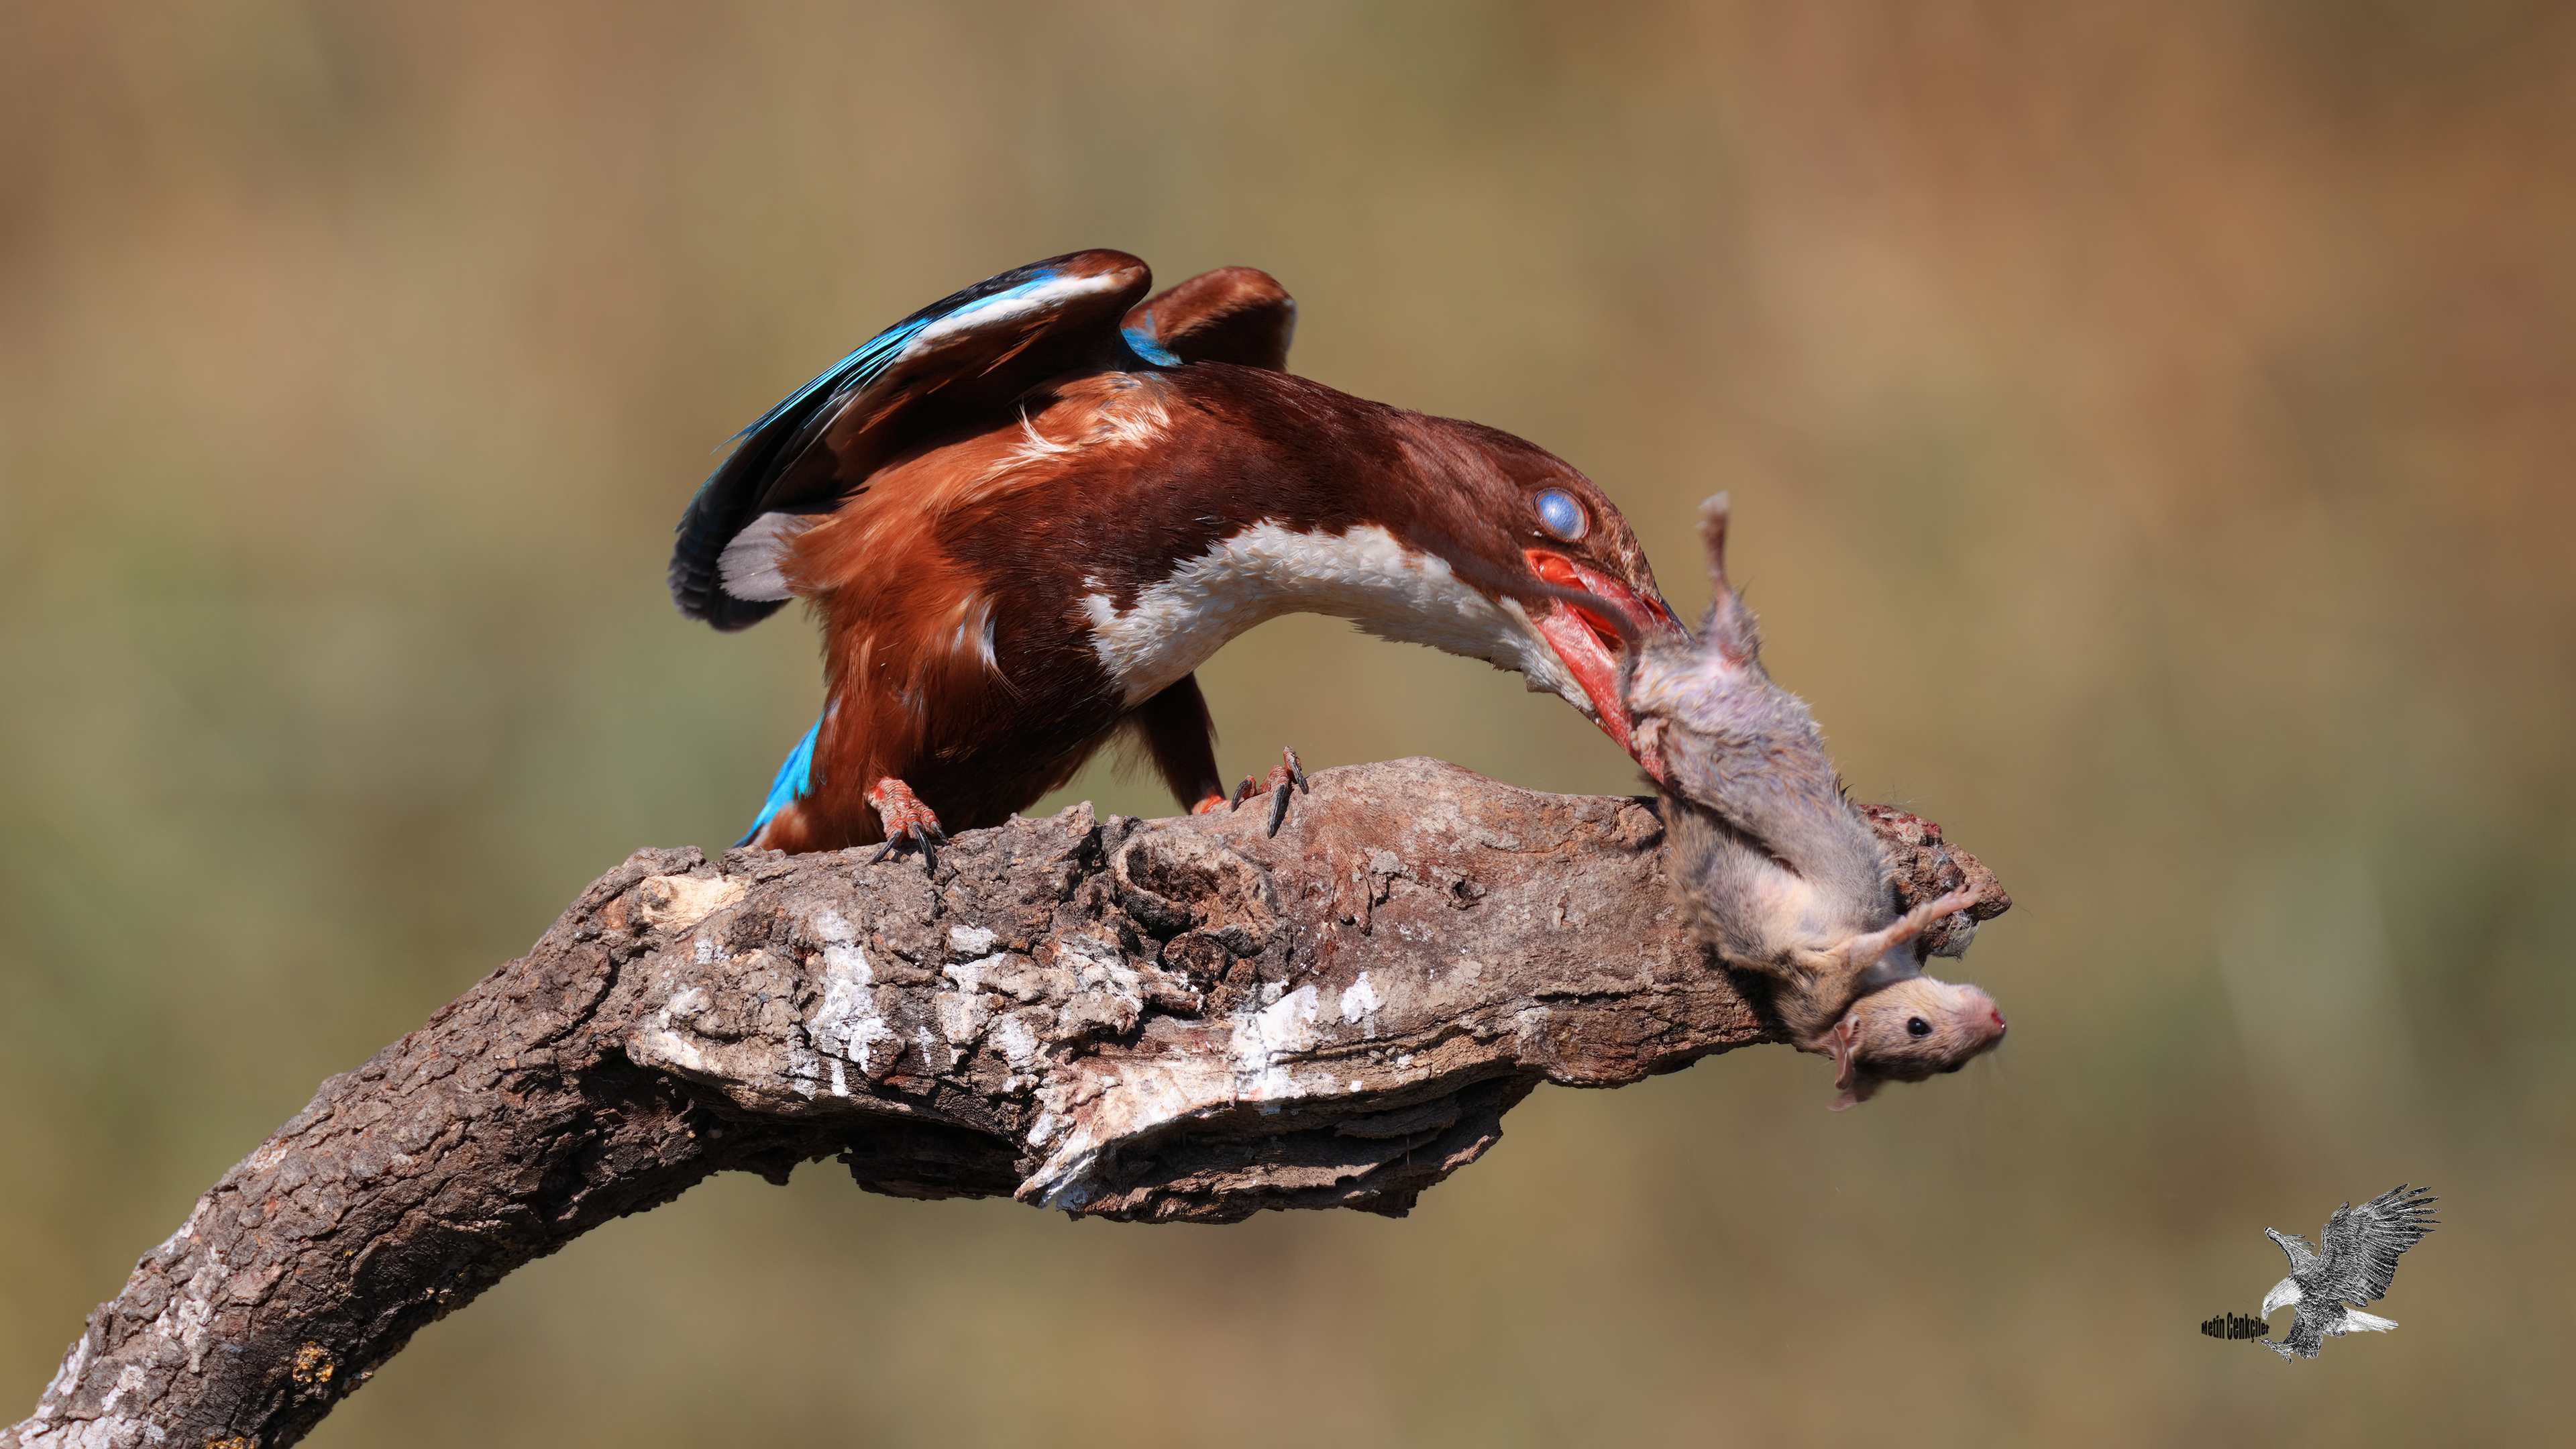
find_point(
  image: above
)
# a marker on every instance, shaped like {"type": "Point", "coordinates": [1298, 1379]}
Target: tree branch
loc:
{"type": "Point", "coordinates": [1171, 1020]}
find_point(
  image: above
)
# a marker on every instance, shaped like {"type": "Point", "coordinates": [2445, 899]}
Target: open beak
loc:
{"type": "Point", "coordinates": [1590, 644]}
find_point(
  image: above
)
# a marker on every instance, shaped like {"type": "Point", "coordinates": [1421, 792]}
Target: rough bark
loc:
{"type": "Point", "coordinates": [1174, 1020]}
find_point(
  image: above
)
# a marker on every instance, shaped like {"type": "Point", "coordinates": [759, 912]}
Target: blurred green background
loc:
{"type": "Point", "coordinates": [2151, 431]}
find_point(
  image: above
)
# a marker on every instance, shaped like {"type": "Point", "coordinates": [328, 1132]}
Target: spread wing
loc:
{"type": "Point", "coordinates": [2302, 1257]}
{"type": "Point", "coordinates": [2362, 1243]}
{"type": "Point", "coordinates": [970, 352]}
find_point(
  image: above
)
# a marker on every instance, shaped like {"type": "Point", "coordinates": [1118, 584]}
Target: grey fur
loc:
{"type": "Point", "coordinates": [1775, 865]}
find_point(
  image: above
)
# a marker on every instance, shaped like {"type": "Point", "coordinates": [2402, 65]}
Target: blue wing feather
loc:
{"type": "Point", "coordinates": [852, 372]}
{"type": "Point", "coordinates": [738, 490]}
{"type": "Point", "coordinates": [1140, 340]}
{"type": "Point", "coordinates": [872, 357]}
{"type": "Point", "coordinates": [795, 780]}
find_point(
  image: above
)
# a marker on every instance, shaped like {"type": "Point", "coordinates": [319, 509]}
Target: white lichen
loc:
{"type": "Point", "coordinates": [1358, 1001]}
{"type": "Point", "coordinates": [661, 1041]}
{"type": "Point", "coordinates": [848, 1025]}
{"type": "Point", "coordinates": [1018, 1042]}
{"type": "Point", "coordinates": [1261, 1039]}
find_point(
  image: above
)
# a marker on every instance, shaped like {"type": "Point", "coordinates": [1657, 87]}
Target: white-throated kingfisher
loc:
{"type": "Point", "coordinates": [1027, 512]}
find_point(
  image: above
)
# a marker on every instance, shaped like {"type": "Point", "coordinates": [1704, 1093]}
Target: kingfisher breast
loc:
{"type": "Point", "coordinates": [1169, 626]}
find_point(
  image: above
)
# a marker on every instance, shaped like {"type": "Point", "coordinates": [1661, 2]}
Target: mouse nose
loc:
{"type": "Point", "coordinates": [1999, 1019]}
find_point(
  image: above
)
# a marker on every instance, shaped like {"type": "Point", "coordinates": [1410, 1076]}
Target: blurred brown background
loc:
{"type": "Point", "coordinates": [2151, 432]}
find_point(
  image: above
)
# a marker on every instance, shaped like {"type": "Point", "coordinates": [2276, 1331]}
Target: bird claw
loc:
{"type": "Point", "coordinates": [1289, 773]}
{"type": "Point", "coordinates": [906, 820]}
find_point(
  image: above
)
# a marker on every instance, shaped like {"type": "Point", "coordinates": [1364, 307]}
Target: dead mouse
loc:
{"type": "Point", "coordinates": [1909, 1031]}
{"type": "Point", "coordinates": [1783, 874]}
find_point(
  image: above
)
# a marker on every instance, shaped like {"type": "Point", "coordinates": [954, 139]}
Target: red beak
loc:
{"type": "Point", "coordinates": [1590, 644]}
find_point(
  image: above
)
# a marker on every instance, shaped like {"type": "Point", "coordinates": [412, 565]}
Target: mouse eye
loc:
{"type": "Point", "coordinates": [1560, 514]}
{"type": "Point", "coordinates": [1917, 1027]}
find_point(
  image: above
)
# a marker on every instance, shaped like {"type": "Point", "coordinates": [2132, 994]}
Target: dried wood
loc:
{"type": "Point", "coordinates": [1178, 1020]}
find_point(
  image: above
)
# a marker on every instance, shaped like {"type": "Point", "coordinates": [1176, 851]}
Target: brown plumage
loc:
{"type": "Point", "coordinates": [1022, 534]}
{"type": "Point", "coordinates": [1781, 872]}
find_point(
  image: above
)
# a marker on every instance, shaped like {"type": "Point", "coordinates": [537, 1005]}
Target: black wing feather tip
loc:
{"type": "Point", "coordinates": [738, 489]}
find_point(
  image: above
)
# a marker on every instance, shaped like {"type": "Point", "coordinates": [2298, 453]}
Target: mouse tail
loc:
{"type": "Point", "coordinates": [1730, 629]}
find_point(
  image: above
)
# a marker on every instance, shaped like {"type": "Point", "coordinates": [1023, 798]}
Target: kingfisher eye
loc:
{"type": "Point", "coordinates": [1917, 1026]}
{"type": "Point", "coordinates": [1560, 514]}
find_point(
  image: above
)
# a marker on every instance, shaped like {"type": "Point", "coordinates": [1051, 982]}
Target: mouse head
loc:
{"type": "Point", "coordinates": [1915, 1029]}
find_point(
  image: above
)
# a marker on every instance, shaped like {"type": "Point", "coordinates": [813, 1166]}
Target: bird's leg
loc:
{"type": "Point", "coordinates": [905, 818]}
{"type": "Point", "coordinates": [1290, 771]}
{"type": "Point", "coordinates": [1181, 738]}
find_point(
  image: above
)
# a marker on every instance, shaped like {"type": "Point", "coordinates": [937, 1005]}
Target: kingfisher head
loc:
{"type": "Point", "coordinates": [1541, 540]}
{"type": "Point", "coordinates": [1200, 501]}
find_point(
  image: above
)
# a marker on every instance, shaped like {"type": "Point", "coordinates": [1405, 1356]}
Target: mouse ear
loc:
{"type": "Point", "coordinates": [1857, 1086]}
{"type": "Point", "coordinates": [1843, 1045]}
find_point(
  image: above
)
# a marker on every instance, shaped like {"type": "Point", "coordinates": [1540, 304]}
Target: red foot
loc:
{"type": "Point", "coordinates": [1290, 771]}
{"type": "Point", "coordinates": [1209, 805]}
{"type": "Point", "coordinates": [905, 818]}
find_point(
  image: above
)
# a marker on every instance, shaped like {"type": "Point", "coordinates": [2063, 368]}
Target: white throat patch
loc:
{"type": "Point", "coordinates": [1363, 575]}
